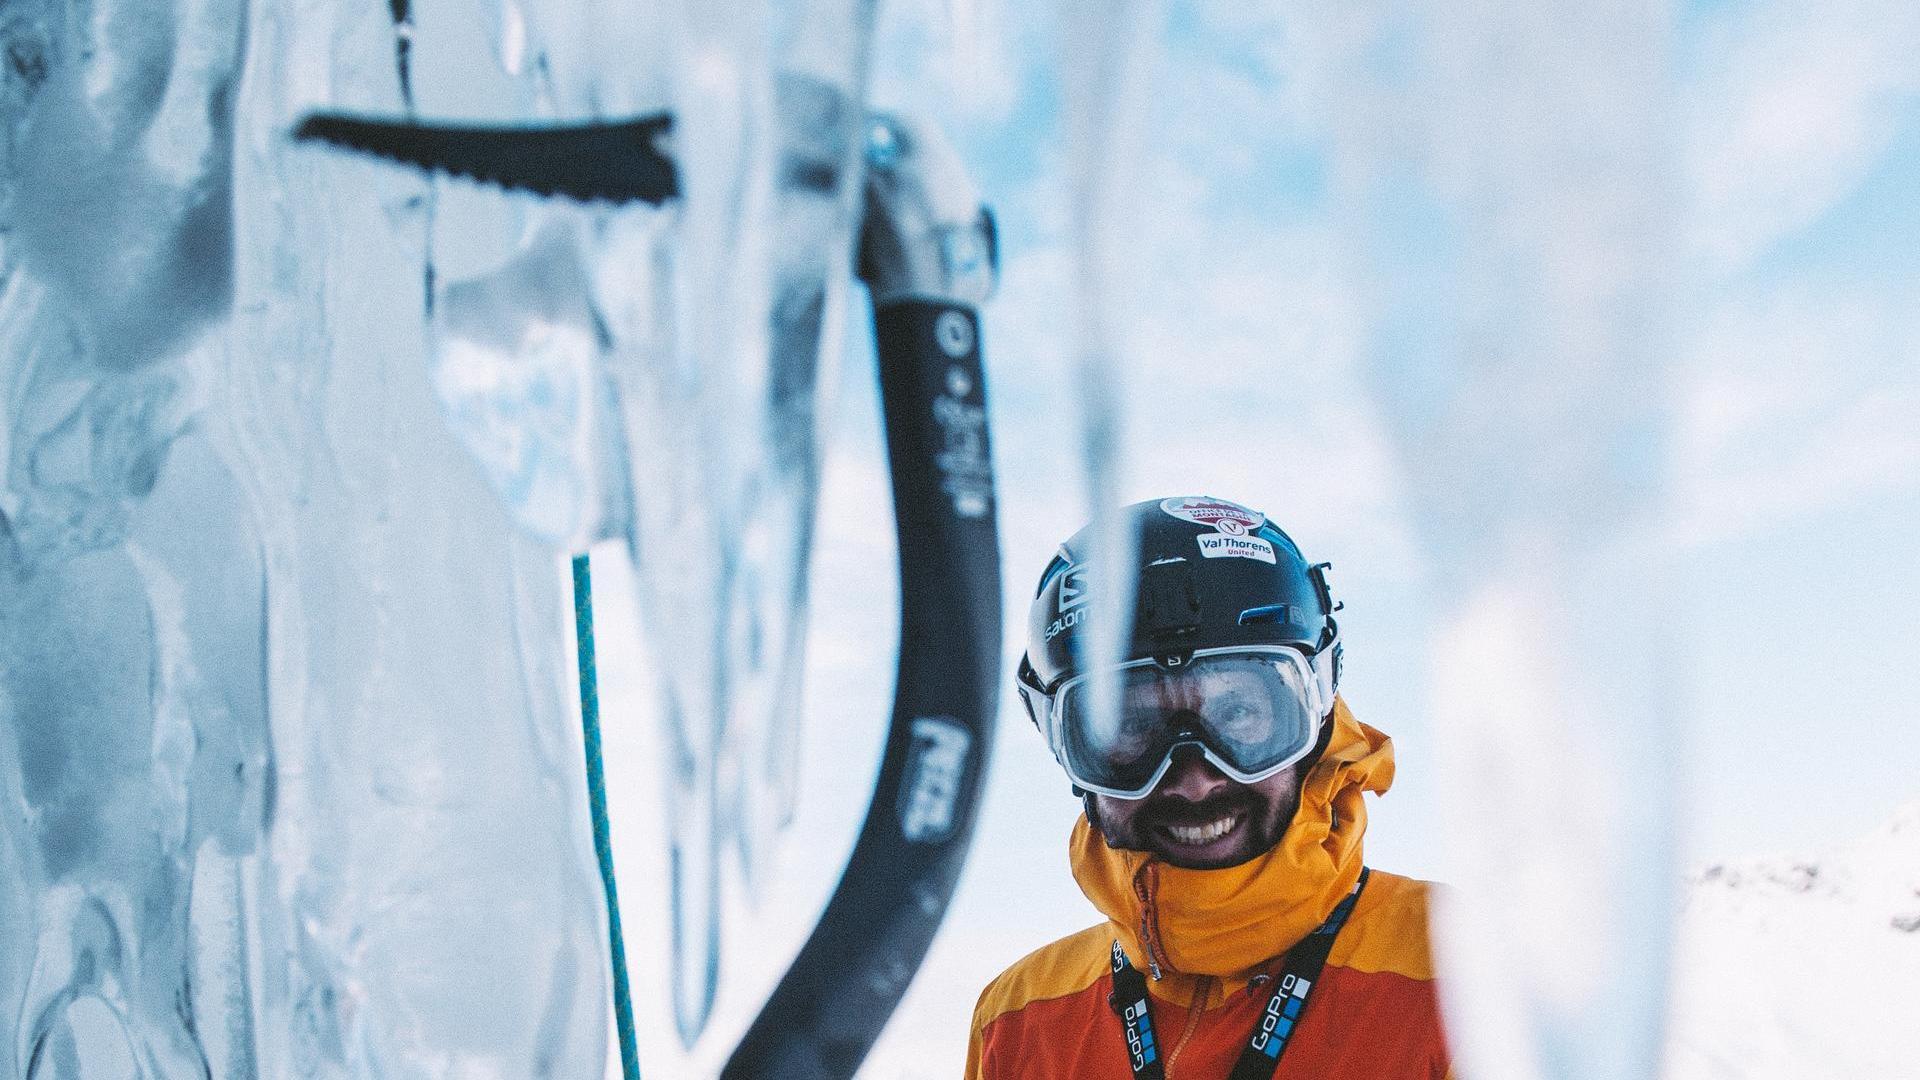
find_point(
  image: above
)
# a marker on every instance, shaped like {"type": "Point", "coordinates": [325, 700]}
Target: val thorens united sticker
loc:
{"type": "Point", "coordinates": [1226, 546]}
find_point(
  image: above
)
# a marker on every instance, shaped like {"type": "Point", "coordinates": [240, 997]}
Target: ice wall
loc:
{"type": "Point", "coordinates": [288, 765]}
{"type": "Point", "coordinates": [294, 447]}
{"type": "Point", "coordinates": [430, 856]}
{"type": "Point", "coordinates": [133, 735]}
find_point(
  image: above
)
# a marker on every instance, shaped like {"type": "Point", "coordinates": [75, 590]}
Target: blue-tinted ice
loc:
{"type": "Point", "coordinates": [286, 761]}
{"type": "Point", "coordinates": [719, 330]}
{"type": "Point", "coordinates": [294, 447]}
{"type": "Point", "coordinates": [133, 734]}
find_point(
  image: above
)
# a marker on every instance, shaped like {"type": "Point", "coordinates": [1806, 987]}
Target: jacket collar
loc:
{"type": "Point", "coordinates": [1232, 923]}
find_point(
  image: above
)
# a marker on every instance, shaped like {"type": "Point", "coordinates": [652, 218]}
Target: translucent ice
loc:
{"type": "Point", "coordinates": [1107, 57]}
{"type": "Point", "coordinates": [115, 236]}
{"type": "Point", "coordinates": [430, 866]}
{"type": "Point", "coordinates": [293, 447]}
{"type": "Point", "coordinates": [132, 723]}
{"type": "Point", "coordinates": [1507, 165]}
{"type": "Point", "coordinates": [288, 771]}
{"type": "Point", "coordinates": [718, 324]}
{"type": "Point", "coordinates": [114, 178]}
{"type": "Point", "coordinates": [517, 366]}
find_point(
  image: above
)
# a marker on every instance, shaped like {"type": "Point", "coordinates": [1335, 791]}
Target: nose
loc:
{"type": "Point", "coordinates": [1191, 777]}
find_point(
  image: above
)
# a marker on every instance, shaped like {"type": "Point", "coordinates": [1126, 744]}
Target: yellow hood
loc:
{"type": "Point", "coordinates": [1231, 921]}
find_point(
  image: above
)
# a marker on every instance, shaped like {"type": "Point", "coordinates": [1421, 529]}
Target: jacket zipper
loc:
{"type": "Point", "coordinates": [1201, 991]}
{"type": "Point", "coordinates": [1143, 888]}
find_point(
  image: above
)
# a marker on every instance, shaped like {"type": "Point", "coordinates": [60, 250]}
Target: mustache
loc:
{"type": "Point", "coordinates": [1171, 811]}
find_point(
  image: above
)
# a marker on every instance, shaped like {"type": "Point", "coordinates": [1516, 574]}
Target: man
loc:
{"type": "Point", "coordinates": [1221, 835]}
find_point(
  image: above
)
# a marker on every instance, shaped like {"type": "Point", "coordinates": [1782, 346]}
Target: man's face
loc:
{"type": "Point", "coordinates": [1199, 818]}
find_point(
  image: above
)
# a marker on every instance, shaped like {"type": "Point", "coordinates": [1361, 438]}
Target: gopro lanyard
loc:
{"type": "Point", "coordinates": [1261, 1058]}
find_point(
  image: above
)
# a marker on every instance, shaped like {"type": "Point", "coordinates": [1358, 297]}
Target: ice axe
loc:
{"type": "Point", "coordinates": [928, 255]}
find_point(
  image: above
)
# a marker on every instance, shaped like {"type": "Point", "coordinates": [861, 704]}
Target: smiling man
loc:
{"type": "Point", "coordinates": [1244, 938]}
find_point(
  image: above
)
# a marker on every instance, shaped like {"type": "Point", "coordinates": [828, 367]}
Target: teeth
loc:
{"type": "Point", "coordinates": [1202, 834]}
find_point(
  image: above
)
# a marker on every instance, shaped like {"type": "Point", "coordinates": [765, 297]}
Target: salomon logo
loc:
{"type": "Point", "coordinates": [1073, 588]}
{"type": "Point", "coordinates": [1064, 623]}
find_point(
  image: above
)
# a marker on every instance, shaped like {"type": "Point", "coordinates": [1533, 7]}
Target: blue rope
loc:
{"type": "Point", "coordinates": [597, 799]}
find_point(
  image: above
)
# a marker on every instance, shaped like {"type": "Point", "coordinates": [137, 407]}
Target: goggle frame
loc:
{"type": "Point", "coordinates": [1318, 673]}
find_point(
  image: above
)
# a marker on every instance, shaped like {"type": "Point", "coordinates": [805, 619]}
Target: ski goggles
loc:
{"type": "Point", "coordinates": [1250, 711]}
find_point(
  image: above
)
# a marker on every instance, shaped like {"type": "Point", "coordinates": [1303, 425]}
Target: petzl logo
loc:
{"type": "Point", "coordinates": [930, 791]}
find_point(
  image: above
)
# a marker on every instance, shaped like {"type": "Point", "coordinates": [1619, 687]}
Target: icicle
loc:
{"type": "Point", "coordinates": [1529, 412]}
{"type": "Point", "coordinates": [696, 473]}
{"type": "Point", "coordinates": [1107, 54]}
{"type": "Point", "coordinates": [973, 52]}
{"type": "Point", "coordinates": [721, 324]}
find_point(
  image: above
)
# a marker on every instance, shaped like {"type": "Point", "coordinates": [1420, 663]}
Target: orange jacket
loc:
{"type": "Point", "coordinates": [1220, 937]}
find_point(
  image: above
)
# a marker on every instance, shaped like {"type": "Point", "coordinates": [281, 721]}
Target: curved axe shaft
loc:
{"type": "Point", "coordinates": [927, 254]}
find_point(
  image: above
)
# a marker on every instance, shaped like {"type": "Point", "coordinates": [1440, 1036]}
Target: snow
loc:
{"type": "Point", "coordinates": [1799, 967]}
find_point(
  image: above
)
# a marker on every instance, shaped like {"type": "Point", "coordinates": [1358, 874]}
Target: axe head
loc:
{"type": "Point", "coordinates": [613, 162]}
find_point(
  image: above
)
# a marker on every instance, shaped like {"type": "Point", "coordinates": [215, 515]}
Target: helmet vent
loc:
{"type": "Point", "coordinates": [1270, 613]}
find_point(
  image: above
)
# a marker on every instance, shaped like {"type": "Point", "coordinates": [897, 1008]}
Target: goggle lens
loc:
{"type": "Point", "coordinates": [1252, 710]}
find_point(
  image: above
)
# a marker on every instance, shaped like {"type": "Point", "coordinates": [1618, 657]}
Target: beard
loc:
{"type": "Point", "coordinates": [1260, 821]}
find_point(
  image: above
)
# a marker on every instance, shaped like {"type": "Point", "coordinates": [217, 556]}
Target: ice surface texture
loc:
{"type": "Point", "coordinates": [648, 373]}
{"type": "Point", "coordinates": [429, 852]}
{"type": "Point", "coordinates": [132, 694]}
{"type": "Point", "coordinates": [293, 447]}
{"type": "Point", "coordinates": [289, 777]}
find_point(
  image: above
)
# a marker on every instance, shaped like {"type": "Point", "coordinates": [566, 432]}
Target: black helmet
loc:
{"type": "Point", "coordinates": [1209, 575]}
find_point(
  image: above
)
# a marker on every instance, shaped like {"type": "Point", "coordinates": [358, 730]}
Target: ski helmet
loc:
{"type": "Point", "coordinates": [1215, 583]}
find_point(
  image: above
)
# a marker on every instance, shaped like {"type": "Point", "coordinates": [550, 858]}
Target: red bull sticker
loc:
{"type": "Point", "coordinates": [1226, 517]}
{"type": "Point", "coordinates": [1224, 546]}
